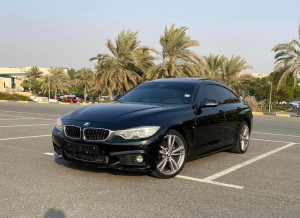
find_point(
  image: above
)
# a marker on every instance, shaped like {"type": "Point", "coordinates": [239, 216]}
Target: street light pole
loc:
{"type": "Point", "coordinates": [270, 97]}
{"type": "Point", "coordinates": [49, 85]}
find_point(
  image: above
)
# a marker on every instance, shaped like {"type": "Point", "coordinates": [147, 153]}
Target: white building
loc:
{"type": "Point", "coordinates": [12, 77]}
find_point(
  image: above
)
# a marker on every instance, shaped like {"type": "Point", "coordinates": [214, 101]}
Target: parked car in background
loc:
{"type": "Point", "coordinates": [70, 95]}
{"type": "Point", "coordinates": [295, 104]}
{"type": "Point", "coordinates": [58, 98]}
{"type": "Point", "coordinates": [156, 127]}
{"type": "Point", "coordinates": [72, 99]}
{"type": "Point", "coordinates": [80, 96]}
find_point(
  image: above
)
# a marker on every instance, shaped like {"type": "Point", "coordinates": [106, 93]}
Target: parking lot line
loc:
{"type": "Point", "coordinates": [20, 118]}
{"type": "Point", "coordinates": [266, 133]}
{"type": "Point", "coordinates": [8, 115]}
{"type": "Point", "coordinates": [209, 182]}
{"type": "Point", "coordinates": [30, 113]}
{"type": "Point", "coordinates": [268, 140]}
{"type": "Point", "coordinates": [25, 137]}
{"type": "Point", "coordinates": [51, 154]}
{"type": "Point", "coordinates": [27, 125]}
{"type": "Point", "coordinates": [245, 163]}
{"type": "Point", "coordinates": [27, 118]}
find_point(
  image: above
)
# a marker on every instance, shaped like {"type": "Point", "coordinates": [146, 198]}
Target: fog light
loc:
{"type": "Point", "coordinates": [139, 158]}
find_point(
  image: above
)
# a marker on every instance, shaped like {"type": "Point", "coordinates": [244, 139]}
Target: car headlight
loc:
{"type": "Point", "coordinates": [59, 125]}
{"type": "Point", "coordinates": [137, 133]}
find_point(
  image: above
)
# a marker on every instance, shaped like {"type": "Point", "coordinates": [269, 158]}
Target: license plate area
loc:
{"type": "Point", "coordinates": [83, 149]}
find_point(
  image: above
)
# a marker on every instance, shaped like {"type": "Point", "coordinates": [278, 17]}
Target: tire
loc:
{"type": "Point", "coordinates": [243, 139]}
{"type": "Point", "coordinates": [171, 157]}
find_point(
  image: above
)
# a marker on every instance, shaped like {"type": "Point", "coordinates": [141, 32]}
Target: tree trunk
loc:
{"type": "Point", "coordinates": [55, 96]}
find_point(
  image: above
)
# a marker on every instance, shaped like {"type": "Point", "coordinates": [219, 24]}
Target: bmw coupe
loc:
{"type": "Point", "coordinates": [156, 127]}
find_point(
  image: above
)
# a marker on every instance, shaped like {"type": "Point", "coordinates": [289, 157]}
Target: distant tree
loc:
{"type": "Point", "coordinates": [126, 66]}
{"type": "Point", "coordinates": [231, 69]}
{"type": "Point", "coordinates": [177, 58]}
{"type": "Point", "coordinates": [72, 73]}
{"type": "Point", "coordinates": [34, 72]}
{"type": "Point", "coordinates": [287, 57]}
{"type": "Point", "coordinates": [212, 66]}
{"type": "Point", "coordinates": [35, 85]}
{"type": "Point", "coordinates": [59, 81]}
{"type": "Point", "coordinates": [84, 79]}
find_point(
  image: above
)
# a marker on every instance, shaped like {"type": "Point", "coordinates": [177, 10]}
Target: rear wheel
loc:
{"type": "Point", "coordinates": [171, 156]}
{"type": "Point", "coordinates": [243, 139]}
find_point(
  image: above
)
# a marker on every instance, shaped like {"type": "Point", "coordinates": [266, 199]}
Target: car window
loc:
{"type": "Point", "coordinates": [208, 92]}
{"type": "Point", "coordinates": [161, 92]}
{"type": "Point", "coordinates": [226, 96]}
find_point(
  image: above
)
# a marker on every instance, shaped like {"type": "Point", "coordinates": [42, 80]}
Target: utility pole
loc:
{"type": "Point", "coordinates": [270, 102]}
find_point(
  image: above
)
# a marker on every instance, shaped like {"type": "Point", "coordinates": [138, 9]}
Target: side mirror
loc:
{"type": "Point", "coordinates": [116, 98]}
{"type": "Point", "coordinates": [207, 102]}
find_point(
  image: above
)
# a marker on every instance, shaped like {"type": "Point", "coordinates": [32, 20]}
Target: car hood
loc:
{"type": "Point", "coordinates": [122, 113]}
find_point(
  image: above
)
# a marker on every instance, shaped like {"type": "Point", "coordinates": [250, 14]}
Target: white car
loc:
{"type": "Point", "coordinates": [294, 104]}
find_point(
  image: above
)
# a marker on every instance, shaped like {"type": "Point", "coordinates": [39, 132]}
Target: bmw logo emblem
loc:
{"type": "Point", "coordinates": [86, 124]}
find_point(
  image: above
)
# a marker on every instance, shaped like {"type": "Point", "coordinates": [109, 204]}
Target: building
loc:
{"type": "Point", "coordinates": [11, 78]}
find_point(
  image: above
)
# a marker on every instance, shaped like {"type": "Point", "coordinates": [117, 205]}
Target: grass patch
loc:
{"type": "Point", "coordinates": [14, 97]}
{"type": "Point", "coordinates": [276, 109]}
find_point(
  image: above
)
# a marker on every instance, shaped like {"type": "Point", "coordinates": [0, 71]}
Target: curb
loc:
{"type": "Point", "coordinates": [43, 102]}
{"type": "Point", "coordinates": [275, 114]}
{"type": "Point", "coordinates": [63, 103]}
{"type": "Point", "coordinates": [23, 101]}
{"type": "Point", "coordinates": [3, 100]}
{"type": "Point", "coordinates": [258, 113]}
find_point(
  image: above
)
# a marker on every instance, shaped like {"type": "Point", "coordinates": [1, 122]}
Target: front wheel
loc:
{"type": "Point", "coordinates": [171, 156]}
{"type": "Point", "coordinates": [243, 140]}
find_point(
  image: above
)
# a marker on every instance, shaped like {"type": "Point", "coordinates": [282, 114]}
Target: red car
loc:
{"type": "Point", "coordinates": [58, 98]}
{"type": "Point", "coordinates": [72, 99]}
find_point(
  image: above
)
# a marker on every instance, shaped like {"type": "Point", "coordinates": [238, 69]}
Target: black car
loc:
{"type": "Point", "coordinates": [156, 127]}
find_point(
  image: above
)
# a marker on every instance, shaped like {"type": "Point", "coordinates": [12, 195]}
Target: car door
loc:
{"type": "Point", "coordinates": [210, 121]}
{"type": "Point", "coordinates": [231, 107]}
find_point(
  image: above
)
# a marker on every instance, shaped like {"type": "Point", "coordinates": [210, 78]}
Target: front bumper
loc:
{"type": "Point", "coordinates": [109, 154]}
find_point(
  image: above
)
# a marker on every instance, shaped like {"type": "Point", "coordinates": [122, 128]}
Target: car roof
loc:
{"type": "Point", "coordinates": [187, 80]}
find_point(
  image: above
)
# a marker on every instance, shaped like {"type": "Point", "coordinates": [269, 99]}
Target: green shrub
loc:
{"type": "Point", "coordinates": [14, 97]}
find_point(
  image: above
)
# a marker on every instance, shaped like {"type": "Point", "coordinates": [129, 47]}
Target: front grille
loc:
{"type": "Point", "coordinates": [72, 132]}
{"type": "Point", "coordinates": [94, 134]}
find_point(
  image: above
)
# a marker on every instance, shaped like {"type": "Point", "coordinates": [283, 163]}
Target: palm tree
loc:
{"type": "Point", "coordinates": [212, 66]}
{"type": "Point", "coordinates": [84, 79]}
{"type": "Point", "coordinates": [231, 70]}
{"type": "Point", "coordinates": [177, 58]}
{"type": "Point", "coordinates": [34, 72]}
{"type": "Point", "coordinates": [57, 80]}
{"type": "Point", "coordinates": [287, 62]}
{"type": "Point", "coordinates": [126, 66]}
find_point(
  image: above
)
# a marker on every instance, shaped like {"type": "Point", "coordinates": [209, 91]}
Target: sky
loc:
{"type": "Point", "coordinates": [67, 33]}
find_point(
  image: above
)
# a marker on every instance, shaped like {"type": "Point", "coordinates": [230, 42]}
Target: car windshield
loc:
{"type": "Point", "coordinates": [161, 92]}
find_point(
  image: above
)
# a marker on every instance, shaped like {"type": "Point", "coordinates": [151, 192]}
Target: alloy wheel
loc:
{"type": "Point", "coordinates": [244, 138]}
{"type": "Point", "coordinates": [171, 155]}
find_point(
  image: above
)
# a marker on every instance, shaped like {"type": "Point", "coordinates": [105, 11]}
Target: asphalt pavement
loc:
{"type": "Point", "coordinates": [263, 182]}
